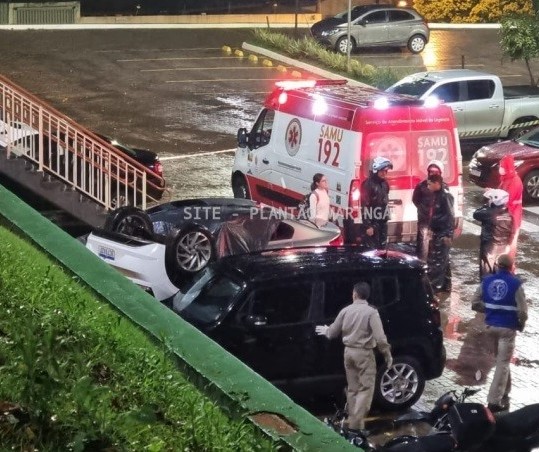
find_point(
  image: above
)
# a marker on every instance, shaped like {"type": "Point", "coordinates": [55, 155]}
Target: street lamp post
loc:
{"type": "Point", "coordinates": [349, 33]}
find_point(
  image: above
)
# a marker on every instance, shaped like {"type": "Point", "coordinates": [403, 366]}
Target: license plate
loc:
{"type": "Point", "coordinates": [475, 172]}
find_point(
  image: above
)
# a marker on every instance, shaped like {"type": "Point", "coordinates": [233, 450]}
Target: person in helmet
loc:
{"type": "Point", "coordinates": [510, 182]}
{"type": "Point", "coordinates": [496, 229]}
{"type": "Point", "coordinates": [374, 204]}
{"type": "Point", "coordinates": [423, 199]}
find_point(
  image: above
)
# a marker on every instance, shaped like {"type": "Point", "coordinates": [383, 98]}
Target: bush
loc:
{"type": "Point", "coordinates": [309, 50]}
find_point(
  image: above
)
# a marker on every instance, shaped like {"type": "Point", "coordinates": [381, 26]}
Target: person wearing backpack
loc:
{"type": "Point", "coordinates": [318, 210]}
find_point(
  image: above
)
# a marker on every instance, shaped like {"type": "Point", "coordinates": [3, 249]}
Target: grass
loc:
{"type": "Point", "coordinates": [309, 50]}
{"type": "Point", "coordinates": [76, 375]}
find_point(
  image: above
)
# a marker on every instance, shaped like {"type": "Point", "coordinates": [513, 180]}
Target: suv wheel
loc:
{"type": "Point", "coordinates": [239, 188]}
{"type": "Point", "coordinates": [400, 386]}
{"type": "Point", "coordinates": [417, 43]}
{"type": "Point", "coordinates": [131, 221]}
{"type": "Point", "coordinates": [342, 45]}
{"type": "Point", "coordinates": [188, 251]}
{"type": "Point", "coordinates": [531, 186]}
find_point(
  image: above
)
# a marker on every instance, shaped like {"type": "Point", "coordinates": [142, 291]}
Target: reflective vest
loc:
{"type": "Point", "coordinates": [499, 292]}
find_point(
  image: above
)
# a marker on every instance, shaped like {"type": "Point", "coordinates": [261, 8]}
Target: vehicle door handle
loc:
{"type": "Point", "coordinates": [266, 161]}
{"type": "Point", "coordinates": [493, 106]}
{"type": "Point", "coordinates": [458, 109]}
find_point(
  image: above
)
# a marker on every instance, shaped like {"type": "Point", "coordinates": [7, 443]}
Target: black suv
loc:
{"type": "Point", "coordinates": [263, 307]}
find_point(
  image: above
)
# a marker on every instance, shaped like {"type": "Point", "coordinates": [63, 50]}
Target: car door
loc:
{"type": "Point", "coordinates": [272, 330]}
{"type": "Point", "coordinates": [336, 293]}
{"type": "Point", "coordinates": [260, 158]}
{"type": "Point", "coordinates": [401, 24]}
{"type": "Point", "coordinates": [483, 111]}
{"type": "Point", "coordinates": [371, 29]}
{"type": "Point", "coordinates": [452, 94]}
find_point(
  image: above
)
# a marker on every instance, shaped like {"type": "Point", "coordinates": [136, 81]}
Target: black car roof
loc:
{"type": "Point", "coordinates": [273, 264]}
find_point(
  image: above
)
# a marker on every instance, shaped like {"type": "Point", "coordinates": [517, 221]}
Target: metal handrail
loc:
{"type": "Point", "coordinates": [59, 146]}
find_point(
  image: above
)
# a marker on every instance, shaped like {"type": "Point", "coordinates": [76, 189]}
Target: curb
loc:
{"type": "Point", "coordinates": [306, 67]}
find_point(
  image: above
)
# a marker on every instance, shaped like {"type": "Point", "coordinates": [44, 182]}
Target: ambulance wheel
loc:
{"type": "Point", "coordinates": [188, 250]}
{"type": "Point", "coordinates": [342, 45]}
{"type": "Point", "coordinates": [400, 386]}
{"type": "Point", "coordinates": [129, 220]}
{"type": "Point", "coordinates": [417, 43]}
{"type": "Point", "coordinates": [240, 188]}
{"type": "Point", "coordinates": [531, 186]}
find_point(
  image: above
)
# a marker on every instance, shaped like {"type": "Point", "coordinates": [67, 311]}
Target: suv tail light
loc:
{"type": "Point", "coordinates": [158, 168]}
{"type": "Point", "coordinates": [338, 241]}
{"type": "Point", "coordinates": [354, 198]}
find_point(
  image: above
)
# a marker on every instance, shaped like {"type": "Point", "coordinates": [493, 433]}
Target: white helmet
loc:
{"type": "Point", "coordinates": [496, 196]}
{"type": "Point", "coordinates": [438, 164]}
{"type": "Point", "coordinates": [381, 163]}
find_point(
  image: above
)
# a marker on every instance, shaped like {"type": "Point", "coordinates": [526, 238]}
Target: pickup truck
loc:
{"type": "Point", "coordinates": [483, 107]}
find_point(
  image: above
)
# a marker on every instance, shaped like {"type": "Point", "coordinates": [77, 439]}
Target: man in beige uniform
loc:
{"type": "Point", "coordinates": [361, 329]}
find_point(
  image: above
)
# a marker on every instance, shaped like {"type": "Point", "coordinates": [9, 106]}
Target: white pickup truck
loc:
{"type": "Point", "coordinates": [483, 107]}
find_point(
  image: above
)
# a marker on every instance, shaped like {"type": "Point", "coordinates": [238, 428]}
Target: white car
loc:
{"type": "Point", "coordinates": [164, 246]}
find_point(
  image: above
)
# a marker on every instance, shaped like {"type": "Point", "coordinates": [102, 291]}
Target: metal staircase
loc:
{"type": "Point", "coordinates": [61, 161]}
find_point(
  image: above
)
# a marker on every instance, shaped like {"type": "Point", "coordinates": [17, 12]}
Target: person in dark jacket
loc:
{"type": "Point", "coordinates": [501, 297]}
{"type": "Point", "coordinates": [496, 229]}
{"type": "Point", "coordinates": [422, 199]}
{"type": "Point", "coordinates": [374, 204]}
{"type": "Point", "coordinates": [441, 225]}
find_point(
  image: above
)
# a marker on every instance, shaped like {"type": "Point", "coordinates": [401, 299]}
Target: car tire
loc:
{"type": "Point", "coordinates": [417, 43]}
{"type": "Point", "coordinates": [531, 186]}
{"type": "Point", "coordinates": [131, 221]}
{"type": "Point", "coordinates": [240, 188]}
{"type": "Point", "coordinates": [400, 386]}
{"type": "Point", "coordinates": [342, 45]}
{"type": "Point", "coordinates": [188, 250]}
{"type": "Point", "coordinates": [517, 131]}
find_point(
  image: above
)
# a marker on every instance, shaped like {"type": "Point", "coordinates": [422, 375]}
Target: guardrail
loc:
{"type": "Point", "coordinates": [57, 145]}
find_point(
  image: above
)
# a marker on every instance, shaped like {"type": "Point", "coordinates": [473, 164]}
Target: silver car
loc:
{"type": "Point", "coordinates": [374, 25]}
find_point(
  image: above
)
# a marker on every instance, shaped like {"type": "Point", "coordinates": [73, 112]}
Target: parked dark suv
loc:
{"type": "Point", "coordinates": [263, 307]}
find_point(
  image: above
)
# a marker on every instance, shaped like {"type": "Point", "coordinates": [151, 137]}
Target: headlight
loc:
{"type": "Point", "coordinates": [518, 163]}
{"type": "Point", "coordinates": [481, 153]}
{"type": "Point", "coordinates": [330, 32]}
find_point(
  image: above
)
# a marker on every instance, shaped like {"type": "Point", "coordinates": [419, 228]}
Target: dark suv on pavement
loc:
{"type": "Point", "coordinates": [263, 308]}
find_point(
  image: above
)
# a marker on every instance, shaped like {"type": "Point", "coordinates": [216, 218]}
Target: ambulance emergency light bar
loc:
{"type": "Point", "coordinates": [299, 84]}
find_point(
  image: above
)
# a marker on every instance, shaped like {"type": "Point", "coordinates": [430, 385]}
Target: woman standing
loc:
{"type": "Point", "coordinates": [319, 205]}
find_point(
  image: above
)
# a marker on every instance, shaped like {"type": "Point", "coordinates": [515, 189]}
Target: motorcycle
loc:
{"type": "Point", "coordinates": [457, 426]}
{"type": "Point", "coordinates": [475, 428]}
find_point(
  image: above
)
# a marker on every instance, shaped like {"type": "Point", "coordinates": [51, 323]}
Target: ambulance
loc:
{"type": "Point", "coordinates": [330, 127]}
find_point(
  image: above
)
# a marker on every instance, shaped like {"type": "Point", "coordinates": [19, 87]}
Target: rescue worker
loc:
{"type": "Point", "coordinates": [441, 227]}
{"type": "Point", "coordinates": [501, 297]}
{"type": "Point", "coordinates": [319, 204]}
{"type": "Point", "coordinates": [422, 198]}
{"type": "Point", "coordinates": [510, 182]}
{"type": "Point", "coordinates": [361, 330]}
{"type": "Point", "coordinates": [374, 204]}
{"type": "Point", "coordinates": [496, 229]}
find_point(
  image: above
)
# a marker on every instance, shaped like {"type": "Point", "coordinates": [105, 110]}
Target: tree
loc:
{"type": "Point", "coordinates": [472, 11]}
{"type": "Point", "coordinates": [520, 40]}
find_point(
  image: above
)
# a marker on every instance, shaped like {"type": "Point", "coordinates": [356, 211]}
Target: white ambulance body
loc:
{"type": "Point", "coordinates": [331, 128]}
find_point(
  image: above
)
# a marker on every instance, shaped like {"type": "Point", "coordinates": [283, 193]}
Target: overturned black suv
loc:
{"type": "Point", "coordinates": [263, 307]}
